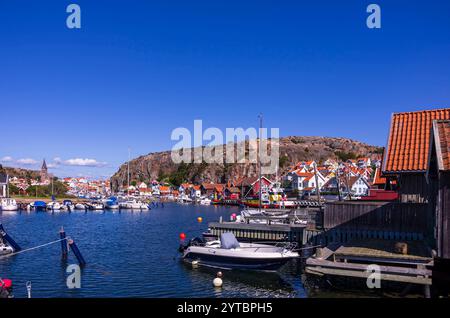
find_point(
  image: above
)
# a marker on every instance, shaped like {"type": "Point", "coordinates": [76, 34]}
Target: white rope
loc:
{"type": "Point", "coordinates": [33, 248]}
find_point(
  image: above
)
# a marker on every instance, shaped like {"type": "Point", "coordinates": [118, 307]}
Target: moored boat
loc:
{"type": "Point", "coordinates": [228, 253]}
{"type": "Point", "coordinates": [80, 206]}
{"type": "Point", "coordinates": [8, 204]}
{"type": "Point", "coordinates": [5, 249]}
{"type": "Point", "coordinates": [112, 204]}
{"type": "Point", "coordinates": [95, 205]}
{"type": "Point", "coordinates": [205, 201]}
{"type": "Point", "coordinates": [68, 205]}
{"type": "Point", "coordinates": [134, 205]}
{"type": "Point", "coordinates": [38, 206]}
{"type": "Point", "coordinates": [53, 206]}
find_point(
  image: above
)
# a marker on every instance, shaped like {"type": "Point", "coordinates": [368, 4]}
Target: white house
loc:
{"type": "Point", "coordinates": [301, 180]}
{"type": "Point", "coordinates": [310, 182]}
{"type": "Point", "coordinates": [142, 185]}
{"type": "Point", "coordinates": [359, 185]}
{"type": "Point", "coordinates": [363, 162]}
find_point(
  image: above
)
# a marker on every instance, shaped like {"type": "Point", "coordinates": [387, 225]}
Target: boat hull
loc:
{"type": "Point", "coordinates": [228, 262]}
{"type": "Point", "coordinates": [9, 208]}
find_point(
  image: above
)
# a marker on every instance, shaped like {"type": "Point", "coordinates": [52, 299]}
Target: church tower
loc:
{"type": "Point", "coordinates": [44, 172]}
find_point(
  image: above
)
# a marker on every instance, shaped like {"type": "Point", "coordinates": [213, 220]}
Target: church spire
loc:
{"type": "Point", "coordinates": [44, 166]}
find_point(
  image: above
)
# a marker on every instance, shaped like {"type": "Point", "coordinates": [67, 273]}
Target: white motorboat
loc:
{"type": "Point", "coordinates": [53, 206]}
{"type": "Point", "coordinates": [256, 216]}
{"type": "Point", "coordinates": [205, 201]}
{"type": "Point", "coordinates": [133, 205]}
{"type": "Point", "coordinates": [111, 203]}
{"type": "Point", "coordinates": [8, 204]}
{"type": "Point", "coordinates": [80, 206]}
{"type": "Point", "coordinates": [5, 249]}
{"type": "Point", "coordinates": [228, 253]}
{"type": "Point", "coordinates": [68, 205]}
{"type": "Point", "coordinates": [184, 199]}
{"type": "Point", "coordinates": [112, 206]}
{"type": "Point", "coordinates": [94, 205]}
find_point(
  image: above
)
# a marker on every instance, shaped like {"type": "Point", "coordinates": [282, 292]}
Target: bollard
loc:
{"type": "Point", "coordinates": [62, 236]}
{"type": "Point", "coordinates": [29, 289]}
{"type": "Point", "coordinates": [77, 253]}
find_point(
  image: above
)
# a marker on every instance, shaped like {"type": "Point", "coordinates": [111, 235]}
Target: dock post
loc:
{"type": "Point", "coordinates": [426, 291]}
{"type": "Point", "coordinates": [8, 239]}
{"type": "Point", "coordinates": [62, 236]}
{"type": "Point", "coordinates": [76, 251]}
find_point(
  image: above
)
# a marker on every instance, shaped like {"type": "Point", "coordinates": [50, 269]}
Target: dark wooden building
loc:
{"type": "Point", "coordinates": [407, 160]}
{"type": "Point", "coordinates": [438, 178]}
{"type": "Point", "coordinates": [407, 153]}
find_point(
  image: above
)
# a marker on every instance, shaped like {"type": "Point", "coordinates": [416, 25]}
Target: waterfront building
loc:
{"type": "Point", "coordinates": [438, 174]}
{"type": "Point", "coordinates": [406, 156]}
{"type": "Point", "coordinates": [3, 184]}
{"type": "Point", "coordinates": [250, 185]}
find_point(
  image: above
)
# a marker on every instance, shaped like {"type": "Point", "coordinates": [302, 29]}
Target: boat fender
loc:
{"type": "Point", "coordinates": [217, 282]}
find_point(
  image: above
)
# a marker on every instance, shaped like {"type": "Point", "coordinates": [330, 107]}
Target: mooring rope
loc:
{"type": "Point", "coordinates": [33, 248]}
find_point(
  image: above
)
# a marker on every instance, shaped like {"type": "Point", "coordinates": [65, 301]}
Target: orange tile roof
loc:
{"type": "Point", "coordinates": [219, 187]}
{"type": "Point", "coordinates": [409, 138]}
{"type": "Point", "coordinates": [164, 188]}
{"type": "Point", "coordinates": [378, 179]}
{"type": "Point", "coordinates": [442, 140]}
{"type": "Point", "coordinates": [304, 174]}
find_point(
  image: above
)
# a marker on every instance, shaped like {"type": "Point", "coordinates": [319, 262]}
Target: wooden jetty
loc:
{"type": "Point", "coordinates": [353, 259]}
{"type": "Point", "coordinates": [259, 232]}
{"type": "Point", "coordinates": [271, 230]}
{"type": "Point", "coordinates": [358, 234]}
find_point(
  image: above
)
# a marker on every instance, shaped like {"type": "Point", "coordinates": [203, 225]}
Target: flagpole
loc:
{"type": "Point", "coordinates": [259, 160]}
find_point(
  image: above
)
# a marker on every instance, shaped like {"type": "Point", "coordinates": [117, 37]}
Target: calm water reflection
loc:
{"type": "Point", "coordinates": [130, 254]}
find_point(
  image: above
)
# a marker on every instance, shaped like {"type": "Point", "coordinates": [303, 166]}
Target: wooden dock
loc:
{"type": "Point", "coordinates": [353, 259]}
{"type": "Point", "coordinates": [259, 232]}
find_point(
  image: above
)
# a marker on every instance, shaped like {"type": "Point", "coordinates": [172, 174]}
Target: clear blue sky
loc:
{"type": "Point", "coordinates": [138, 69]}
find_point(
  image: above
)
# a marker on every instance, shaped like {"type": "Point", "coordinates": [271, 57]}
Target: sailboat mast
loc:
{"type": "Point", "coordinates": [259, 159]}
{"type": "Point", "coordinates": [128, 171]}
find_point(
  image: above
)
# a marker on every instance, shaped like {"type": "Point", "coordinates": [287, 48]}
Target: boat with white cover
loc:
{"type": "Point", "coordinates": [228, 253]}
{"type": "Point", "coordinates": [133, 205]}
{"type": "Point", "coordinates": [8, 204]}
{"type": "Point", "coordinates": [53, 206]}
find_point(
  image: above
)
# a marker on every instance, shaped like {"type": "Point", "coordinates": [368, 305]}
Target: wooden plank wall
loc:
{"type": "Point", "coordinates": [444, 216]}
{"type": "Point", "coordinates": [377, 216]}
{"type": "Point", "coordinates": [413, 188]}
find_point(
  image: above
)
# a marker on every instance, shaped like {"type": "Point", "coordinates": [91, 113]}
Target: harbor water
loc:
{"type": "Point", "coordinates": [130, 254]}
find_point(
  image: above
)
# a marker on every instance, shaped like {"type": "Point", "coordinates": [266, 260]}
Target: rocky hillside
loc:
{"type": "Point", "coordinates": [20, 173]}
{"type": "Point", "coordinates": [159, 166]}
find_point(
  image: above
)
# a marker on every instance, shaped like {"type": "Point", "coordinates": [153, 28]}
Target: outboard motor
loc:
{"type": "Point", "coordinates": [193, 242]}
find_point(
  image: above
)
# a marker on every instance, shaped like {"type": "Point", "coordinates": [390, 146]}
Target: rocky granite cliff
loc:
{"type": "Point", "coordinates": [159, 166]}
{"type": "Point", "coordinates": [20, 172]}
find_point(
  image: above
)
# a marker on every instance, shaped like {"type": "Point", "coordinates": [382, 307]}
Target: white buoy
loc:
{"type": "Point", "coordinates": [217, 282]}
{"type": "Point", "coordinates": [194, 264]}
